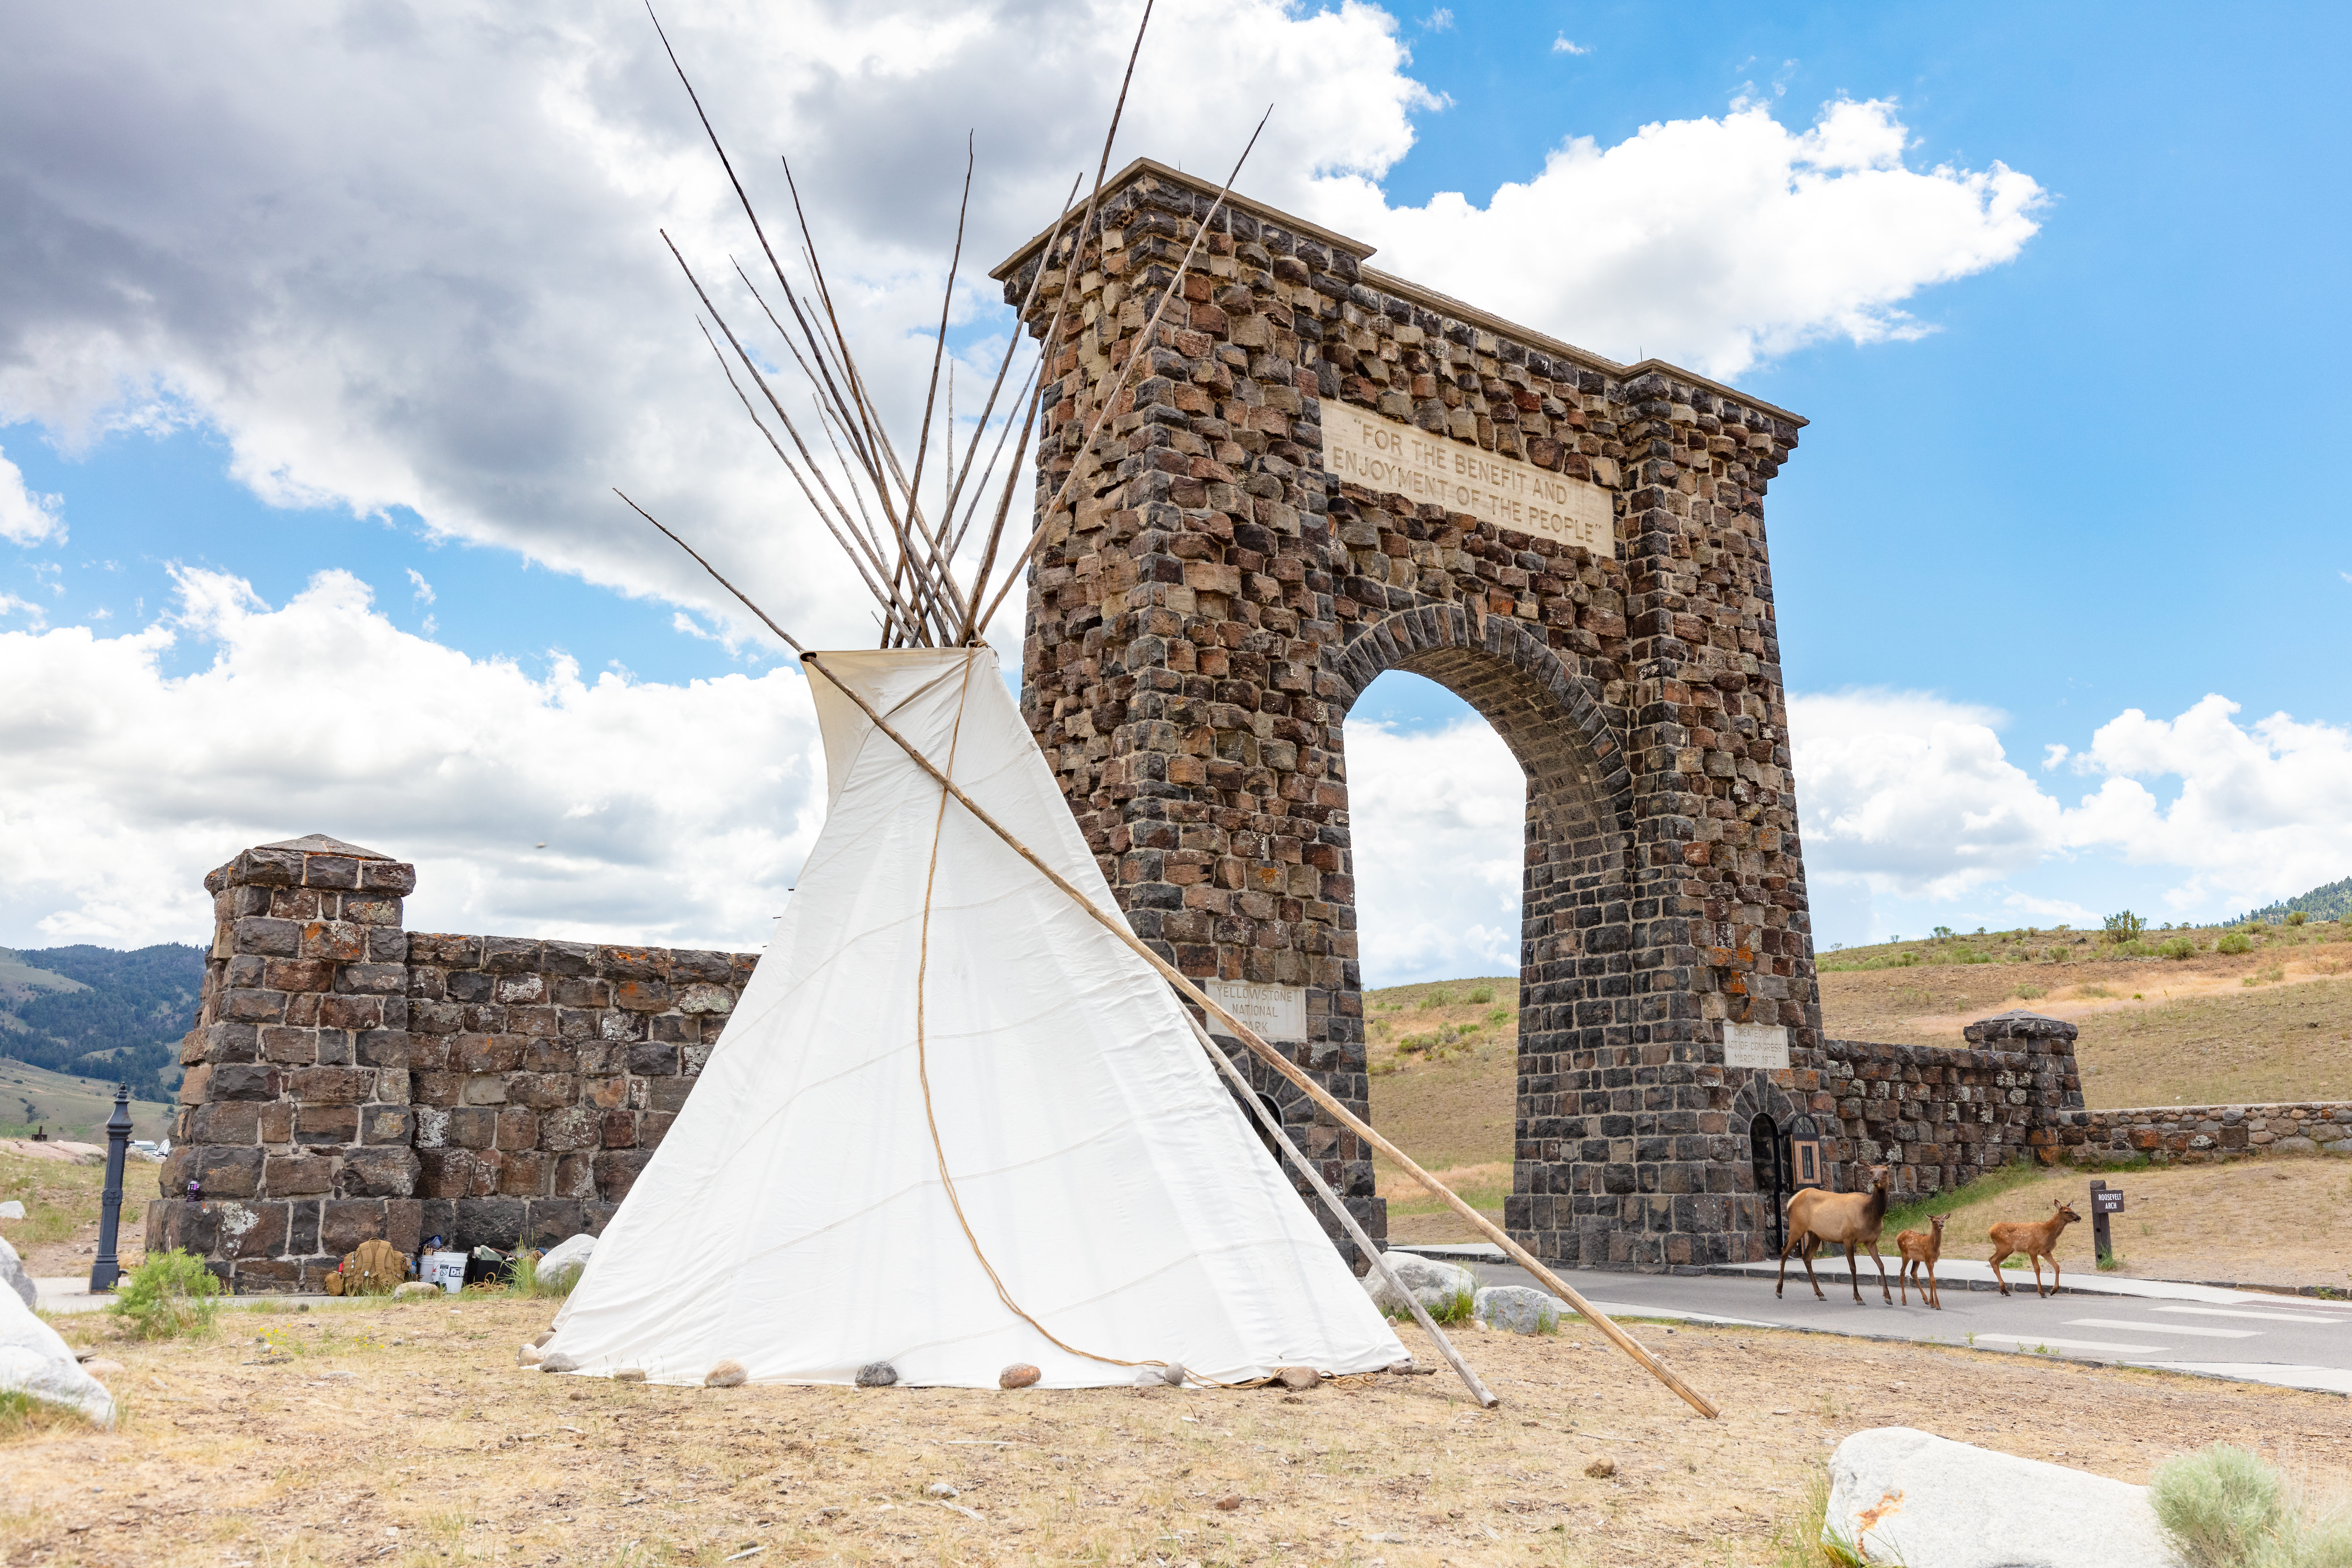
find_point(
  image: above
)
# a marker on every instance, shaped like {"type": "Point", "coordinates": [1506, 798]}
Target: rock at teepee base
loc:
{"type": "Point", "coordinates": [877, 1375]}
{"type": "Point", "coordinates": [1906, 1496]}
{"type": "Point", "coordinates": [726, 1374]}
{"type": "Point", "coordinates": [527, 1355]}
{"type": "Point", "coordinates": [630, 1375]}
{"type": "Point", "coordinates": [1519, 1309]}
{"type": "Point", "coordinates": [1020, 1374]}
{"type": "Point", "coordinates": [1434, 1283]}
{"type": "Point", "coordinates": [560, 1265]}
{"type": "Point", "coordinates": [557, 1361]}
{"type": "Point", "coordinates": [1297, 1379]}
{"type": "Point", "coordinates": [542, 1336]}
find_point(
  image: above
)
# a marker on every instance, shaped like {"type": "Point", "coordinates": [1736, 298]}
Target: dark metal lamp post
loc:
{"type": "Point", "coordinates": [106, 1270]}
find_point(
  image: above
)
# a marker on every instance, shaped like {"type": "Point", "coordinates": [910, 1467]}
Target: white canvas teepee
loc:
{"type": "Point", "coordinates": [795, 1219]}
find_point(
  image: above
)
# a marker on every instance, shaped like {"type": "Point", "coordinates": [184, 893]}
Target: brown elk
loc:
{"type": "Point", "coordinates": [1920, 1249]}
{"type": "Point", "coordinates": [2036, 1241]}
{"type": "Point", "coordinates": [1819, 1218]}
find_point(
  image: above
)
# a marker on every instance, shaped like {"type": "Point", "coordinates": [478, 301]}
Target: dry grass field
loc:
{"type": "Point", "coordinates": [404, 1436]}
{"type": "Point", "coordinates": [2274, 1023]}
{"type": "Point", "coordinates": [59, 1234]}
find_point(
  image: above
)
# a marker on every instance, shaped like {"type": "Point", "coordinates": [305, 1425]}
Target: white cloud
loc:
{"type": "Point", "coordinates": [1714, 243]}
{"type": "Point", "coordinates": [671, 813]}
{"type": "Point", "coordinates": [26, 517]}
{"type": "Point", "coordinates": [1913, 794]}
{"type": "Point", "coordinates": [410, 259]}
{"type": "Point", "coordinates": [10, 605]}
{"type": "Point", "coordinates": [1437, 820]}
{"type": "Point", "coordinates": [1563, 46]}
{"type": "Point", "coordinates": [423, 592]}
{"type": "Point", "coordinates": [1438, 21]}
{"type": "Point", "coordinates": [1910, 795]}
{"type": "Point", "coordinates": [2260, 811]}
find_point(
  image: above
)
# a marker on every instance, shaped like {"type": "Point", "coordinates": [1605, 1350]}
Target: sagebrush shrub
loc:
{"type": "Point", "coordinates": [171, 1294]}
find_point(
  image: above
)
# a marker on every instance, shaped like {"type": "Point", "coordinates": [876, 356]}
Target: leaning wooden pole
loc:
{"type": "Point", "coordinates": [1281, 1134]}
{"type": "Point", "coordinates": [1112, 922]}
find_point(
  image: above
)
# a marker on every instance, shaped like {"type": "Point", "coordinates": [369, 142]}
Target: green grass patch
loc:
{"type": "Point", "coordinates": [171, 1295]}
{"type": "Point", "coordinates": [22, 1415]}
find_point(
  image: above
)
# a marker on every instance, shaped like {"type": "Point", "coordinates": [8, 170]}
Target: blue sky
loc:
{"type": "Point", "coordinates": [2100, 477]}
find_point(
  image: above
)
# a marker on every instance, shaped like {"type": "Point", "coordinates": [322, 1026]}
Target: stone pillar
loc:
{"type": "Point", "coordinates": [1178, 616]}
{"type": "Point", "coordinates": [295, 1119]}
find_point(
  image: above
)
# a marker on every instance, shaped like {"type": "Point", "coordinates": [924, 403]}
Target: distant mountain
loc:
{"type": "Point", "coordinates": [2332, 902]}
{"type": "Point", "coordinates": [97, 1012]}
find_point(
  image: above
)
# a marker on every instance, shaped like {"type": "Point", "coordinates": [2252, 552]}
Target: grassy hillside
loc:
{"type": "Point", "coordinates": [2272, 1022]}
{"type": "Point", "coordinates": [70, 1107]}
{"type": "Point", "coordinates": [1444, 1063]}
{"type": "Point", "coordinates": [97, 1011]}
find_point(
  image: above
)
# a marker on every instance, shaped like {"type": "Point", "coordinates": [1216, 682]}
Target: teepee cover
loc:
{"type": "Point", "coordinates": [794, 1218]}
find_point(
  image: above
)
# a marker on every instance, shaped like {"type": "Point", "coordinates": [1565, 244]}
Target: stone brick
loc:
{"type": "Point", "coordinates": [344, 1223]}
{"type": "Point", "coordinates": [230, 1122]}
{"type": "Point", "coordinates": [326, 1124]}
{"type": "Point", "coordinates": [380, 1172]}
{"type": "Point", "coordinates": [617, 1171]}
{"type": "Point", "coordinates": [541, 1091]}
{"type": "Point", "coordinates": [299, 1176]}
{"type": "Point", "coordinates": [331, 1086]}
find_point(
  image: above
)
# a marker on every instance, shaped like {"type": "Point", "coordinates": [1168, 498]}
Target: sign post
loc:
{"type": "Point", "coordinates": [2105, 1201]}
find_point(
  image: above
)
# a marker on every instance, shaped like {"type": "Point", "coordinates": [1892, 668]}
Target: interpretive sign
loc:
{"type": "Point", "coordinates": [1381, 454]}
{"type": "Point", "coordinates": [1279, 1013]}
{"type": "Point", "coordinates": [1756, 1045]}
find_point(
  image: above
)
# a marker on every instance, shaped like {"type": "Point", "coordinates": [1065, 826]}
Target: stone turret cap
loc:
{"type": "Point", "coordinates": [320, 844]}
{"type": "Point", "coordinates": [2018, 1024]}
{"type": "Point", "coordinates": [316, 860]}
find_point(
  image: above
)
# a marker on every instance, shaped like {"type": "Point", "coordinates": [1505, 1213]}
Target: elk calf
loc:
{"type": "Point", "coordinates": [1920, 1248]}
{"type": "Point", "coordinates": [2034, 1240]}
{"type": "Point", "coordinates": [1838, 1219]}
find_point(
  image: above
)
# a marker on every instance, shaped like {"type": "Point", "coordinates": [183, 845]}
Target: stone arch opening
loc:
{"type": "Point", "coordinates": [1576, 995]}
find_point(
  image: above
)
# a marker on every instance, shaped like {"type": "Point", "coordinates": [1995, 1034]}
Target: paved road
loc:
{"type": "Point", "coordinates": [2294, 1341]}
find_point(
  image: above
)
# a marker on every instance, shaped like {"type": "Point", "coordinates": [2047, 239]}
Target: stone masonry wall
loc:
{"type": "Point", "coordinates": [1211, 602]}
{"type": "Point", "coordinates": [2204, 1135]}
{"type": "Point", "coordinates": [349, 1079]}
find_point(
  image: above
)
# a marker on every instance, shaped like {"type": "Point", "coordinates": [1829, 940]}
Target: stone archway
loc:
{"type": "Point", "coordinates": [1324, 473]}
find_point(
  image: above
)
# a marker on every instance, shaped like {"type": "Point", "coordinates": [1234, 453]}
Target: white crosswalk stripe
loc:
{"type": "Point", "coordinates": [2270, 1317]}
{"type": "Point", "coordinates": [2181, 1330]}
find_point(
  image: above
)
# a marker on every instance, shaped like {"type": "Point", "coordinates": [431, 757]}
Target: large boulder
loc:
{"type": "Point", "coordinates": [1519, 1309]}
{"type": "Point", "coordinates": [1437, 1285]}
{"type": "Point", "coordinates": [561, 1265]}
{"type": "Point", "coordinates": [34, 1361]}
{"type": "Point", "coordinates": [1897, 1495]}
{"type": "Point", "coordinates": [12, 1275]}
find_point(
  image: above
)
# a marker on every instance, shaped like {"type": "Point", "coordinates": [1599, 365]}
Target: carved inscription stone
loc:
{"type": "Point", "coordinates": [1762, 1046]}
{"type": "Point", "coordinates": [1361, 447]}
{"type": "Point", "coordinates": [1279, 1013]}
